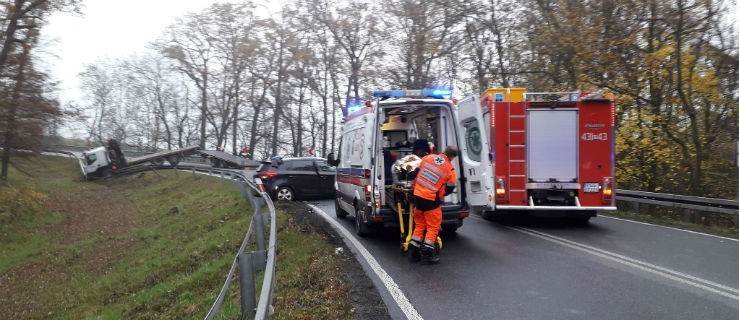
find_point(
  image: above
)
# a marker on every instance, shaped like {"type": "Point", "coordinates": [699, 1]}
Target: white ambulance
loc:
{"type": "Point", "coordinates": [389, 128]}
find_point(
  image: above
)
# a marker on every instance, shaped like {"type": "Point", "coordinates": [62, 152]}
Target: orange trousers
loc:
{"type": "Point", "coordinates": [427, 224]}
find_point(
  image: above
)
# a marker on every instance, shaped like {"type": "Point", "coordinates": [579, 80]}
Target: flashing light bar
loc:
{"type": "Point", "coordinates": [354, 106]}
{"type": "Point", "coordinates": [425, 93]}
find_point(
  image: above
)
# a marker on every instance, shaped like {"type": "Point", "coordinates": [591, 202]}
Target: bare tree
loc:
{"type": "Point", "coordinates": [191, 45]}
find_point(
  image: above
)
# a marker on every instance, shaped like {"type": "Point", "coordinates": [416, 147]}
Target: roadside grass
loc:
{"type": "Point", "coordinates": [146, 247]}
{"type": "Point", "coordinates": [711, 223]}
{"type": "Point", "coordinates": [311, 283]}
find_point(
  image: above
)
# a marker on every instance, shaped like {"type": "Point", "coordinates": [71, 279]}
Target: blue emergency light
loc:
{"type": "Point", "coordinates": [437, 93]}
{"type": "Point", "coordinates": [389, 94]}
{"type": "Point", "coordinates": [425, 93]}
{"type": "Point", "coordinates": [354, 105]}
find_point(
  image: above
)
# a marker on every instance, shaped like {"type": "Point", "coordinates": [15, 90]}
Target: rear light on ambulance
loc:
{"type": "Point", "coordinates": [607, 190]}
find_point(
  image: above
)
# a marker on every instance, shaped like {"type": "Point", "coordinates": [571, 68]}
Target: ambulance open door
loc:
{"type": "Point", "coordinates": [474, 154]}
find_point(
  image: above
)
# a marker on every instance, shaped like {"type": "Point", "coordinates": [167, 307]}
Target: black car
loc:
{"type": "Point", "coordinates": [291, 178]}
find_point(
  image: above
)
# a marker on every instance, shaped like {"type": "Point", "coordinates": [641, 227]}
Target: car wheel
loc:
{"type": "Point", "coordinates": [157, 161]}
{"type": "Point", "coordinates": [340, 213]}
{"type": "Point", "coordinates": [285, 193]}
{"type": "Point", "coordinates": [363, 230]}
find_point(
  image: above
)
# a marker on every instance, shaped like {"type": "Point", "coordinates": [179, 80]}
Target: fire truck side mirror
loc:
{"type": "Point", "coordinates": [331, 160]}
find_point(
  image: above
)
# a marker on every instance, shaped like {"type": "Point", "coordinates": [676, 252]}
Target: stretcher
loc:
{"type": "Point", "coordinates": [403, 195]}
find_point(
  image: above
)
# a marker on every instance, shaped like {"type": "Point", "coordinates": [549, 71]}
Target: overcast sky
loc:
{"type": "Point", "coordinates": [115, 29]}
{"type": "Point", "coordinates": [108, 29]}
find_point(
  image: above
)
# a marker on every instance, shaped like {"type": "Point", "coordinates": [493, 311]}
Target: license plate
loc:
{"type": "Point", "coordinates": [591, 187]}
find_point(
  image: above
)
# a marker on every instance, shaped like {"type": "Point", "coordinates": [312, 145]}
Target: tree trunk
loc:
{"type": "Point", "coordinates": [203, 105]}
{"type": "Point", "coordinates": [10, 120]}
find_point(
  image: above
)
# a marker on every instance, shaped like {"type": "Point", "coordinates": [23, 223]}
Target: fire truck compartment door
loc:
{"type": "Point", "coordinates": [475, 153]}
{"type": "Point", "coordinates": [552, 145]}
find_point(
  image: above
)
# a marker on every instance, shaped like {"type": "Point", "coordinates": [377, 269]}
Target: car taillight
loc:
{"type": "Point", "coordinates": [267, 175]}
{"type": "Point", "coordinates": [607, 189]}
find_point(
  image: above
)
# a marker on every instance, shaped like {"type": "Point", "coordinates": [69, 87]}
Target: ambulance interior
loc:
{"type": "Point", "coordinates": [408, 129]}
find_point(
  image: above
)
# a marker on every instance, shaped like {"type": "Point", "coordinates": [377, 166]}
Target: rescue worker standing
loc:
{"type": "Point", "coordinates": [435, 178]}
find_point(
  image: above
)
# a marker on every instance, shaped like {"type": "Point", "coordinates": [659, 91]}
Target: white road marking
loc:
{"type": "Point", "coordinates": [671, 228]}
{"type": "Point", "coordinates": [397, 294]}
{"type": "Point", "coordinates": [683, 278]}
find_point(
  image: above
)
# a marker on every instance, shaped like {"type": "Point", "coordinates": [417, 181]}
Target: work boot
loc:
{"type": "Point", "coordinates": [414, 251]}
{"type": "Point", "coordinates": [429, 254]}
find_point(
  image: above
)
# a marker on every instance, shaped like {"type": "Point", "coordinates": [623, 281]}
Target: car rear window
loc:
{"type": "Point", "coordinates": [323, 166]}
{"type": "Point", "coordinates": [263, 166]}
{"type": "Point", "coordinates": [300, 165]}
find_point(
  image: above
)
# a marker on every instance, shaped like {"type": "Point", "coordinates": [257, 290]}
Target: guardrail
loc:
{"type": "Point", "coordinates": [249, 262]}
{"type": "Point", "coordinates": [688, 203]}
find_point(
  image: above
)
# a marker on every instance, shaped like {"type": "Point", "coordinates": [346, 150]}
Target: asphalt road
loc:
{"type": "Point", "coordinates": [538, 269]}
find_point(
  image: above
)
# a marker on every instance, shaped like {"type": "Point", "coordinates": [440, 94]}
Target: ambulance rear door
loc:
{"type": "Point", "coordinates": [474, 150]}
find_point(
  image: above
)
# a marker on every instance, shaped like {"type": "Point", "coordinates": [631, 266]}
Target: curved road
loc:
{"type": "Point", "coordinates": [610, 269]}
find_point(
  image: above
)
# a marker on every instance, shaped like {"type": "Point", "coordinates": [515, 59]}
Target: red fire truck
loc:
{"type": "Point", "coordinates": [549, 153]}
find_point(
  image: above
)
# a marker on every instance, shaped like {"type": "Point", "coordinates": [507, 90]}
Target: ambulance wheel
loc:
{"type": "Point", "coordinates": [285, 193]}
{"type": "Point", "coordinates": [340, 213]}
{"type": "Point", "coordinates": [450, 231]}
{"type": "Point", "coordinates": [363, 230]}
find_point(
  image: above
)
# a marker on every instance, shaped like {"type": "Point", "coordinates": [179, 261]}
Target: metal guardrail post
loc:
{"type": "Point", "coordinates": [246, 282]}
{"type": "Point", "coordinates": [259, 231]}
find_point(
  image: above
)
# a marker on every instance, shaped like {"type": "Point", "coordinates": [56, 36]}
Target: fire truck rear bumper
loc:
{"type": "Point", "coordinates": [562, 208]}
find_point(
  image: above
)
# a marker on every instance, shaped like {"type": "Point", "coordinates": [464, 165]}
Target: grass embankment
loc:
{"type": "Point", "coordinates": [707, 222]}
{"type": "Point", "coordinates": [142, 247]}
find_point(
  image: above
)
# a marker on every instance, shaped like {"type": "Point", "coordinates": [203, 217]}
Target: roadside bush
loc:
{"type": "Point", "coordinates": [18, 202]}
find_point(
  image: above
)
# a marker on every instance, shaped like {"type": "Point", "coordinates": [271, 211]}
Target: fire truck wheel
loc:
{"type": "Point", "coordinates": [488, 215]}
{"type": "Point", "coordinates": [340, 213]}
{"type": "Point", "coordinates": [363, 230]}
{"type": "Point", "coordinates": [580, 220]}
{"type": "Point", "coordinates": [285, 193]}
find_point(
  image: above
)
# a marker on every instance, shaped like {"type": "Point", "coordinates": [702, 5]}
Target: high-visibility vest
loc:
{"type": "Point", "coordinates": [435, 172]}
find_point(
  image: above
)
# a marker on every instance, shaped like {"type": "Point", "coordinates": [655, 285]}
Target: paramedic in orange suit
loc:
{"type": "Point", "coordinates": [435, 178]}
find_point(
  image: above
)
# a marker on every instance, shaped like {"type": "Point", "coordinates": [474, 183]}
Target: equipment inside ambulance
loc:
{"type": "Point", "coordinates": [375, 159]}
